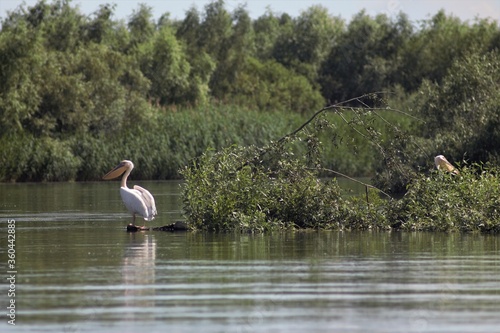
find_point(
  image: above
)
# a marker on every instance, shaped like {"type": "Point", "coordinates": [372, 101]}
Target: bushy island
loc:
{"type": "Point", "coordinates": [254, 189]}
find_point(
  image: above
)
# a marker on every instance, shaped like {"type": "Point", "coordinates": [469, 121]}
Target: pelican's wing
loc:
{"type": "Point", "coordinates": [149, 201]}
{"type": "Point", "coordinates": [134, 201]}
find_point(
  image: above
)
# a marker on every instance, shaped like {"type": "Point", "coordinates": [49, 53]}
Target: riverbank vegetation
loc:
{"type": "Point", "coordinates": [211, 97]}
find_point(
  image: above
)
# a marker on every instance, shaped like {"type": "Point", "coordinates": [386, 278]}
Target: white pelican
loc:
{"type": "Point", "coordinates": [442, 164]}
{"type": "Point", "coordinates": [137, 200]}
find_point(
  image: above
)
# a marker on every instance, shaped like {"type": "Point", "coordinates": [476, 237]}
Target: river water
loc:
{"type": "Point", "coordinates": [78, 270]}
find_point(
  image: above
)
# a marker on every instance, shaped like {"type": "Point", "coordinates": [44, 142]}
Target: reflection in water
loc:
{"type": "Point", "coordinates": [138, 272]}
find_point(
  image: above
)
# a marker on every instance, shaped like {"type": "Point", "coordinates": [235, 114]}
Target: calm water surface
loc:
{"type": "Point", "coordinates": [78, 270]}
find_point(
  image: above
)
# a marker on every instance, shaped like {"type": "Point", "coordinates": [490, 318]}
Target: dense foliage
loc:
{"type": "Point", "coordinates": [442, 201]}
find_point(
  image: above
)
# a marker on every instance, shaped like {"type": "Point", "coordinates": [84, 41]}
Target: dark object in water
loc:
{"type": "Point", "coordinates": [177, 226]}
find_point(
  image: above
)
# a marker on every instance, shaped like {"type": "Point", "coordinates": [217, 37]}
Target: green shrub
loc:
{"type": "Point", "coordinates": [239, 188]}
{"type": "Point", "coordinates": [442, 201]}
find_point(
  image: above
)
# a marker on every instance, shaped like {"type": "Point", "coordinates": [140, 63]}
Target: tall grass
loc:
{"type": "Point", "coordinates": [169, 140]}
{"type": "Point", "coordinates": [159, 148]}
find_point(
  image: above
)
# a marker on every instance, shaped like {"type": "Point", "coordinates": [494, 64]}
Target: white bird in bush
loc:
{"type": "Point", "coordinates": [137, 200]}
{"type": "Point", "coordinates": [442, 164]}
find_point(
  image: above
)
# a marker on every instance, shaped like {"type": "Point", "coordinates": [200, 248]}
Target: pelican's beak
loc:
{"type": "Point", "coordinates": [448, 166]}
{"type": "Point", "coordinates": [116, 172]}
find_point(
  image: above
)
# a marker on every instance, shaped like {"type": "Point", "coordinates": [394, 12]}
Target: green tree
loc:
{"type": "Point", "coordinates": [59, 22]}
{"type": "Point", "coordinates": [215, 30]}
{"type": "Point", "coordinates": [430, 53]}
{"type": "Point", "coordinates": [441, 40]}
{"type": "Point", "coordinates": [189, 29]}
{"type": "Point", "coordinates": [141, 25]}
{"type": "Point", "coordinates": [236, 49]}
{"type": "Point", "coordinates": [305, 41]}
{"type": "Point", "coordinates": [101, 27]}
{"type": "Point", "coordinates": [167, 69]}
{"type": "Point", "coordinates": [21, 63]}
{"type": "Point", "coordinates": [202, 65]}
{"type": "Point", "coordinates": [267, 31]}
{"type": "Point", "coordinates": [365, 58]}
{"type": "Point", "coordinates": [271, 86]}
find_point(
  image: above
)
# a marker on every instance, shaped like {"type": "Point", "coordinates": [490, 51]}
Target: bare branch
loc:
{"type": "Point", "coordinates": [356, 181]}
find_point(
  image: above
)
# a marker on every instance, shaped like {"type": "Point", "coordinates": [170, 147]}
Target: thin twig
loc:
{"type": "Point", "coordinates": [356, 181]}
{"type": "Point", "coordinates": [326, 108]}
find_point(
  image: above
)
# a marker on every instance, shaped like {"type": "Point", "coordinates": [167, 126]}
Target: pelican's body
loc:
{"type": "Point", "coordinates": [138, 200]}
{"type": "Point", "coordinates": [442, 164]}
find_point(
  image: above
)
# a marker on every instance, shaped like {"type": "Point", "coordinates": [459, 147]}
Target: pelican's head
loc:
{"type": "Point", "coordinates": [442, 164]}
{"type": "Point", "coordinates": [439, 160]}
{"type": "Point", "coordinates": [119, 170]}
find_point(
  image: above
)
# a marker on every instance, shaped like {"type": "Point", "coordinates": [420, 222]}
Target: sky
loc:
{"type": "Point", "coordinates": [415, 9]}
